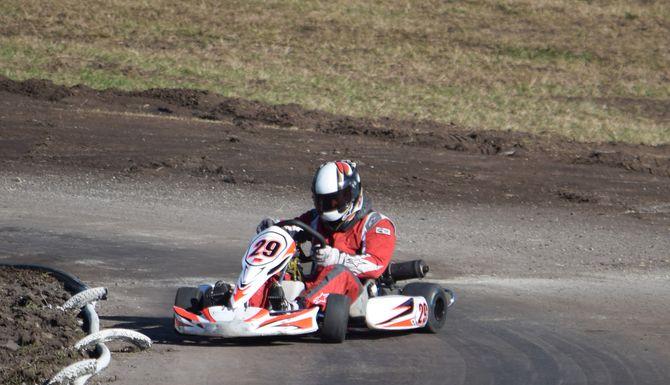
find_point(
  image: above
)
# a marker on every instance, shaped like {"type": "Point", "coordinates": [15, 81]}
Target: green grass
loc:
{"type": "Point", "coordinates": [545, 54]}
{"type": "Point", "coordinates": [546, 66]}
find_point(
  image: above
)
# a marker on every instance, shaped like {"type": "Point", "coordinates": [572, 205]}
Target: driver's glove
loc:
{"type": "Point", "coordinates": [265, 223]}
{"type": "Point", "coordinates": [327, 256]}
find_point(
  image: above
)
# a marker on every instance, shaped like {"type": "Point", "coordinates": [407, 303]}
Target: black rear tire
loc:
{"type": "Point", "coordinates": [188, 298]}
{"type": "Point", "coordinates": [336, 319]}
{"type": "Point", "coordinates": [437, 303]}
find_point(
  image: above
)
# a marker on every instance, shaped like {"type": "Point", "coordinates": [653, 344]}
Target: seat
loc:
{"type": "Point", "coordinates": [357, 308]}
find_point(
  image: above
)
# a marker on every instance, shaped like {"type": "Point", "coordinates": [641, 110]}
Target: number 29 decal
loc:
{"type": "Point", "coordinates": [423, 313]}
{"type": "Point", "coordinates": [263, 251]}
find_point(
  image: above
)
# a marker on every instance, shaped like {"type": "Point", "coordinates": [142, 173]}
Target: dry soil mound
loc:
{"type": "Point", "coordinates": [33, 337]}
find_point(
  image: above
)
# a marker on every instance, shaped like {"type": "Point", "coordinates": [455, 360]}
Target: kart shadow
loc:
{"type": "Point", "coordinates": [161, 332]}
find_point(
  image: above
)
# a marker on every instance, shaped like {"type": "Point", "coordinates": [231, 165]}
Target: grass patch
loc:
{"type": "Point", "coordinates": [544, 66]}
{"type": "Point", "coordinates": [545, 54]}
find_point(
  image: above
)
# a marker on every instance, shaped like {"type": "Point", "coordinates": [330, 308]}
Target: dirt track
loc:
{"type": "Point", "coordinates": [559, 250]}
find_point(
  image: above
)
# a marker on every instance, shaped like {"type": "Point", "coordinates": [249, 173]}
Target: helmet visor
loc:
{"type": "Point", "coordinates": [335, 201]}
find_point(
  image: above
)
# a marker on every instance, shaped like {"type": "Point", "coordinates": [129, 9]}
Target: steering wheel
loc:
{"type": "Point", "coordinates": [321, 241]}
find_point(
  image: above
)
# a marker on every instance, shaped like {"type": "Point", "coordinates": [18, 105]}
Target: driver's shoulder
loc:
{"type": "Point", "coordinates": [374, 219]}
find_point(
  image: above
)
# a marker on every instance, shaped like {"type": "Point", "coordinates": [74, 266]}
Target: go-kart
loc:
{"type": "Point", "coordinates": [277, 254]}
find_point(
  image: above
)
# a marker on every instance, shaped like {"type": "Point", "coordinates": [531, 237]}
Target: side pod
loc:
{"type": "Point", "coordinates": [396, 312]}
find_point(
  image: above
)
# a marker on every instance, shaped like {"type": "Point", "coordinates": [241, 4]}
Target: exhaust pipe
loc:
{"type": "Point", "coordinates": [399, 271]}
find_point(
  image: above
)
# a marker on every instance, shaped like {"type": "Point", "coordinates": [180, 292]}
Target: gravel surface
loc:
{"type": "Point", "coordinates": [575, 296]}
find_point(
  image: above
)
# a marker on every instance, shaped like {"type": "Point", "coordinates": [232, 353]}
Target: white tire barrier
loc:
{"type": "Point", "coordinates": [104, 357]}
{"type": "Point", "coordinates": [131, 336]}
{"type": "Point", "coordinates": [80, 372]}
{"type": "Point", "coordinates": [80, 300]}
{"type": "Point", "coordinates": [74, 371]}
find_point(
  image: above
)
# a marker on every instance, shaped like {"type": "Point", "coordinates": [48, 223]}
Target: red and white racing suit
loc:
{"type": "Point", "coordinates": [367, 245]}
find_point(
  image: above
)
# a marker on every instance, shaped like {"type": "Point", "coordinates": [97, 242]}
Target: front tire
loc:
{"type": "Point", "coordinates": [437, 303]}
{"type": "Point", "coordinates": [188, 298]}
{"type": "Point", "coordinates": [336, 319]}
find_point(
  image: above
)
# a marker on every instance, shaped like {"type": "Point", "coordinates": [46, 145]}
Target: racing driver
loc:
{"type": "Point", "coordinates": [359, 241]}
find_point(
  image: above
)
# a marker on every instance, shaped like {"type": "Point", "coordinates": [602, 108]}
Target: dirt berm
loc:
{"type": "Point", "coordinates": [35, 337]}
{"type": "Point", "coordinates": [245, 114]}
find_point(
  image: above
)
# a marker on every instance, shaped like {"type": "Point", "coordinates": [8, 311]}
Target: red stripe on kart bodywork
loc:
{"type": "Point", "coordinates": [291, 250]}
{"type": "Point", "coordinates": [239, 293]}
{"type": "Point", "coordinates": [185, 314]}
{"type": "Point", "coordinates": [208, 315]}
{"type": "Point", "coordinates": [284, 317]}
{"type": "Point", "coordinates": [405, 309]}
{"type": "Point", "coordinates": [405, 323]}
{"type": "Point", "coordinates": [305, 323]}
{"type": "Point", "coordinates": [261, 313]}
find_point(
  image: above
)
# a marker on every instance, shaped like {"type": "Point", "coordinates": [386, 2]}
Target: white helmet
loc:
{"type": "Point", "coordinates": [337, 192]}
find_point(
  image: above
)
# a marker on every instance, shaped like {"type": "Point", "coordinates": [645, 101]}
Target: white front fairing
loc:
{"type": "Point", "coordinates": [396, 312]}
{"type": "Point", "coordinates": [267, 254]}
{"type": "Point", "coordinates": [219, 321]}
